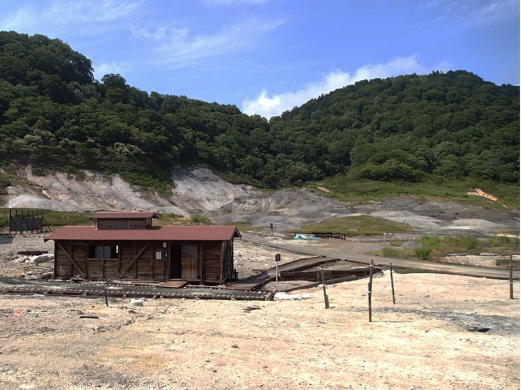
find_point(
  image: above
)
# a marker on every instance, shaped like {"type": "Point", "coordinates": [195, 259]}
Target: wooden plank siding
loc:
{"type": "Point", "coordinates": [135, 259]}
{"type": "Point", "coordinates": [201, 261]}
{"type": "Point", "coordinates": [118, 223]}
{"type": "Point", "coordinates": [212, 262]}
{"type": "Point", "coordinates": [227, 260]}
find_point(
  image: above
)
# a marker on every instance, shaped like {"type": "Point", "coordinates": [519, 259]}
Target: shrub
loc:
{"type": "Point", "coordinates": [243, 224]}
{"type": "Point", "coordinates": [465, 242]}
{"type": "Point", "coordinates": [72, 170]}
{"type": "Point", "coordinates": [502, 241]}
{"type": "Point", "coordinates": [506, 263]}
{"type": "Point", "coordinates": [469, 242]}
{"type": "Point", "coordinates": [5, 181]}
{"type": "Point", "coordinates": [390, 252]}
{"type": "Point", "coordinates": [196, 218]}
{"type": "Point", "coordinates": [423, 253]}
{"type": "Point", "coordinates": [430, 242]}
{"type": "Point", "coordinates": [396, 253]}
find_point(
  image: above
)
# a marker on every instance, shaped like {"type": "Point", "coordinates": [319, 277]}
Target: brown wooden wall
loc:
{"type": "Point", "coordinates": [144, 260]}
{"type": "Point", "coordinates": [121, 223]}
{"type": "Point", "coordinates": [212, 262]}
{"type": "Point", "coordinates": [227, 260]}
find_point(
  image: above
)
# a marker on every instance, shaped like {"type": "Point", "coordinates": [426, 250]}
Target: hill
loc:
{"type": "Point", "coordinates": [408, 129]}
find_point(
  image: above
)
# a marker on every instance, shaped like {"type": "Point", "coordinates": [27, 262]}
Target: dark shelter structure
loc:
{"type": "Point", "coordinates": [125, 245]}
{"type": "Point", "coordinates": [26, 221]}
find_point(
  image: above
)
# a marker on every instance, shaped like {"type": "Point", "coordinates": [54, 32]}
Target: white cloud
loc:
{"type": "Point", "coordinates": [181, 48]}
{"type": "Point", "coordinates": [496, 11]}
{"type": "Point", "coordinates": [443, 66]}
{"type": "Point", "coordinates": [58, 15]}
{"type": "Point", "coordinates": [83, 11]}
{"type": "Point", "coordinates": [25, 17]}
{"type": "Point", "coordinates": [469, 14]}
{"type": "Point", "coordinates": [267, 106]}
{"type": "Point", "coordinates": [158, 35]}
{"type": "Point", "coordinates": [111, 68]}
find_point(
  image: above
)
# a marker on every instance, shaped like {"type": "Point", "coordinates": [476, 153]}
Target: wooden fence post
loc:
{"type": "Point", "coordinates": [370, 289]}
{"type": "Point", "coordinates": [277, 259]}
{"type": "Point", "coordinates": [392, 283]}
{"type": "Point", "coordinates": [326, 299]}
{"type": "Point", "coordinates": [511, 280]}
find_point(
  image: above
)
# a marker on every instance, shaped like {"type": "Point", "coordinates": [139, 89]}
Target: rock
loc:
{"type": "Point", "coordinates": [285, 296]}
{"type": "Point", "coordinates": [41, 258]}
{"type": "Point", "coordinates": [410, 245]}
{"type": "Point", "coordinates": [46, 276]}
{"type": "Point", "coordinates": [478, 329]}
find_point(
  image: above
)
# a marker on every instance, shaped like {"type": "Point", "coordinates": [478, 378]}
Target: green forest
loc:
{"type": "Point", "coordinates": [408, 129]}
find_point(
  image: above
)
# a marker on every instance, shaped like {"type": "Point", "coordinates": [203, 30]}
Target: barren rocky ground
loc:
{"type": "Point", "coordinates": [444, 332]}
{"type": "Point", "coordinates": [199, 191]}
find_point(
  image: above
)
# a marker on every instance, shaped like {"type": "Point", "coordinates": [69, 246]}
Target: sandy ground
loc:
{"type": "Point", "coordinates": [433, 337]}
{"type": "Point", "coordinates": [427, 340]}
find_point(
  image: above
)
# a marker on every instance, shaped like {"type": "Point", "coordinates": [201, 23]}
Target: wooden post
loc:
{"type": "Point", "coordinates": [277, 259]}
{"type": "Point", "coordinates": [165, 260]}
{"type": "Point", "coordinates": [392, 282]}
{"type": "Point", "coordinates": [370, 289]}
{"type": "Point", "coordinates": [511, 280]}
{"type": "Point", "coordinates": [326, 299]}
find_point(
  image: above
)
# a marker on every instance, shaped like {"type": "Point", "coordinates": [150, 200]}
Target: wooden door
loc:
{"type": "Point", "coordinates": [190, 263]}
{"type": "Point", "coordinates": [175, 262]}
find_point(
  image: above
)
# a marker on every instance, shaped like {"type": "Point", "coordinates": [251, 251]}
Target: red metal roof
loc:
{"type": "Point", "coordinates": [156, 233]}
{"type": "Point", "coordinates": [123, 214]}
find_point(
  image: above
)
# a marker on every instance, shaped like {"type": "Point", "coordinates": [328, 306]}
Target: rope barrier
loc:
{"type": "Point", "coordinates": [437, 283]}
{"type": "Point", "coordinates": [437, 301]}
{"type": "Point", "coordinates": [425, 299]}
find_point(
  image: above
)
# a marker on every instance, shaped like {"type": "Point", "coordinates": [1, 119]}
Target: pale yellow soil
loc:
{"type": "Point", "coordinates": [422, 342]}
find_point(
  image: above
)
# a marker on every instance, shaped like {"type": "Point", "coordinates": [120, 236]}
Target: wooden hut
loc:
{"type": "Point", "coordinates": [125, 245]}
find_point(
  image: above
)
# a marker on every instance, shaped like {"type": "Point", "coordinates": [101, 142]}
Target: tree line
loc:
{"type": "Point", "coordinates": [54, 114]}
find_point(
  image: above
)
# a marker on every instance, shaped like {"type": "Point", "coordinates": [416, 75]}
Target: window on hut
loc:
{"type": "Point", "coordinates": [103, 251]}
{"type": "Point", "coordinates": [189, 252]}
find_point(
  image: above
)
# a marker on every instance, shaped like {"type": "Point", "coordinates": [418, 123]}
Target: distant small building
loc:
{"type": "Point", "coordinates": [125, 245]}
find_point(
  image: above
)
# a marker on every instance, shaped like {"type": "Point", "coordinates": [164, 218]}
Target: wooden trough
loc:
{"type": "Point", "coordinates": [330, 274]}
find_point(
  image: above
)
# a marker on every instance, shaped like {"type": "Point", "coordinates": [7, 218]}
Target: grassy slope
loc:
{"type": "Point", "coordinates": [354, 226]}
{"type": "Point", "coordinates": [363, 191]}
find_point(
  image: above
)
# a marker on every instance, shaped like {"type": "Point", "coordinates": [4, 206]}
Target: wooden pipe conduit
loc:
{"type": "Point", "coordinates": [89, 290]}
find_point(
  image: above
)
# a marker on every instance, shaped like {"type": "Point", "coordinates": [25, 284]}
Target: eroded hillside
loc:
{"type": "Point", "coordinates": [199, 191]}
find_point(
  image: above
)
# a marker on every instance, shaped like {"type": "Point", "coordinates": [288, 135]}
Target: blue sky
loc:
{"type": "Point", "coordinates": [268, 56]}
